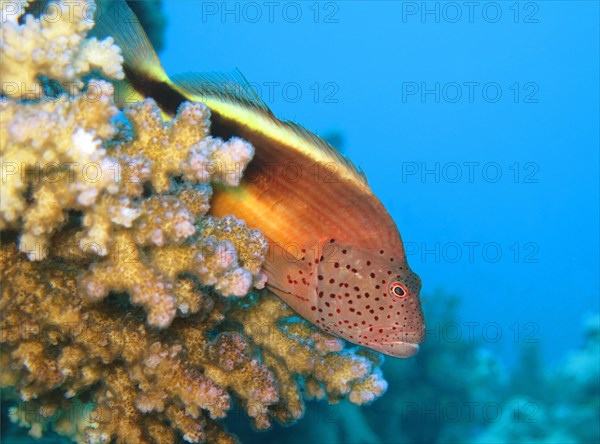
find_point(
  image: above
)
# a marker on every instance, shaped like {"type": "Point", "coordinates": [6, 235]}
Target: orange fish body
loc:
{"type": "Point", "coordinates": [336, 255]}
{"type": "Point", "coordinates": [335, 250]}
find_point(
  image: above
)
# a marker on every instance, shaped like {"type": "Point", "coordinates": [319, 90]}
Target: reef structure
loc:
{"type": "Point", "coordinates": [127, 312]}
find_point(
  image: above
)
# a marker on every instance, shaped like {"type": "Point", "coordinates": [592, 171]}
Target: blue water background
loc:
{"type": "Point", "coordinates": [356, 66]}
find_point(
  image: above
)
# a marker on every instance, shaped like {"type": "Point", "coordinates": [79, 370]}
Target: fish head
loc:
{"type": "Point", "coordinates": [371, 298]}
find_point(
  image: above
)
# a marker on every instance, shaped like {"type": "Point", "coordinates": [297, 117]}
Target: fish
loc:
{"type": "Point", "coordinates": [337, 257]}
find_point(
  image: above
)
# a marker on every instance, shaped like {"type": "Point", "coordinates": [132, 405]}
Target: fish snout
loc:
{"type": "Point", "coordinates": [396, 349]}
{"type": "Point", "coordinates": [411, 334]}
{"type": "Point", "coordinates": [415, 283]}
{"type": "Point", "coordinates": [401, 343]}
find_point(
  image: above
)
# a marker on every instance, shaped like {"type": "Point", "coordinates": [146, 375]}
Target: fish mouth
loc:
{"type": "Point", "coordinates": [394, 342]}
{"type": "Point", "coordinates": [409, 346]}
{"type": "Point", "coordinates": [389, 335]}
{"type": "Point", "coordinates": [397, 349]}
{"type": "Point", "coordinates": [400, 344]}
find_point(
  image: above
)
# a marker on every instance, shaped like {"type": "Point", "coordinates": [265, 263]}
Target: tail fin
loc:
{"type": "Point", "coordinates": [115, 18]}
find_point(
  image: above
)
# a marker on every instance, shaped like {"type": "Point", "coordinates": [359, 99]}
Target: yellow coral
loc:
{"type": "Point", "coordinates": [180, 376]}
{"type": "Point", "coordinates": [53, 45]}
{"type": "Point", "coordinates": [191, 151]}
{"type": "Point", "coordinates": [53, 150]}
{"type": "Point", "coordinates": [116, 221]}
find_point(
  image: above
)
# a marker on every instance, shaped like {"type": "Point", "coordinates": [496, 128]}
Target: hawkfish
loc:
{"type": "Point", "coordinates": [337, 259]}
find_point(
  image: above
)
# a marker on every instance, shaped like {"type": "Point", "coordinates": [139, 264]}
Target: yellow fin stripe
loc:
{"type": "Point", "coordinates": [254, 114]}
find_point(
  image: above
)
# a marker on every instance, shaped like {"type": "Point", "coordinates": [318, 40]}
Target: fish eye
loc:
{"type": "Point", "coordinates": [399, 290]}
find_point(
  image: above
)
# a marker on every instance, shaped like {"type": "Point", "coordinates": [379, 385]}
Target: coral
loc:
{"type": "Point", "coordinates": [581, 367]}
{"type": "Point", "coordinates": [53, 45]}
{"type": "Point", "coordinates": [135, 379]}
{"type": "Point", "coordinates": [116, 222]}
{"type": "Point", "coordinates": [566, 396]}
{"type": "Point", "coordinates": [51, 150]}
{"type": "Point", "coordinates": [124, 306]}
{"type": "Point", "coordinates": [191, 151]}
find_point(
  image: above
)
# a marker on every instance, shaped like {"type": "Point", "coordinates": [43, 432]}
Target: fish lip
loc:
{"type": "Point", "coordinates": [408, 336]}
{"type": "Point", "coordinates": [411, 337]}
{"type": "Point", "coordinates": [414, 348]}
{"type": "Point", "coordinates": [410, 348]}
{"type": "Point", "coordinates": [400, 347]}
{"type": "Point", "coordinates": [413, 345]}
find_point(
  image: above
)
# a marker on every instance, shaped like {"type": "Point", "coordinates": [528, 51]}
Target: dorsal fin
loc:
{"type": "Point", "coordinates": [114, 18]}
{"type": "Point", "coordinates": [231, 94]}
{"type": "Point", "coordinates": [329, 150]}
{"type": "Point", "coordinates": [232, 88]}
{"type": "Point", "coordinates": [234, 97]}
